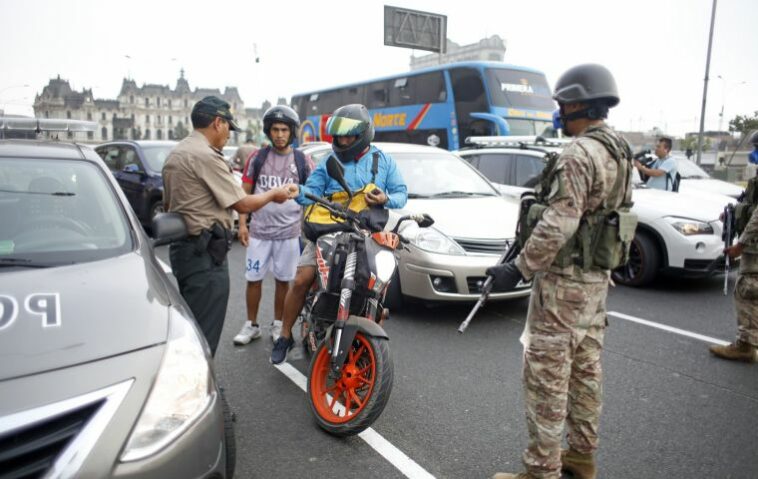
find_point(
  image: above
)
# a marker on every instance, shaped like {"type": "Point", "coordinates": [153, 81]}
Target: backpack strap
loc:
{"type": "Point", "coordinates": [302, 166]}
{"type": "Point", "coordinates": [374, 167]}
{"type": "Point", "coordinates": [260, 158]}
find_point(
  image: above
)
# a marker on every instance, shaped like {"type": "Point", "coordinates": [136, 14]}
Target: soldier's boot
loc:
{"type": "Point", "coordinates": [513, 475]}
{"type": "Point", "coordinates": [737, 351]}
{"type": "Point", "coordinates": [582, 466]}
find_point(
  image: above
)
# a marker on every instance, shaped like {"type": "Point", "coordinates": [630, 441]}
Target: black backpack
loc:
{"type": "Point", "coordinates": [675, 181]}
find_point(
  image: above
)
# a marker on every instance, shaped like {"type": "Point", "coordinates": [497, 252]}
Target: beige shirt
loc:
{"type": "Point", "coordinates": [199, 185]}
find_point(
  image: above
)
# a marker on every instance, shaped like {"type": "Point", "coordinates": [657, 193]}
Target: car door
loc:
{"type": "Point", "coordinates": [132, 177]}
{"type": "Point", "coordinates": [527, 170]}
{"type": "Point", "coordinates": [497, 167]}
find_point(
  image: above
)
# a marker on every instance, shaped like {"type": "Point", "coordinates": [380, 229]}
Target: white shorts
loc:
{"type": "Point", "coordinates": [264, 255]}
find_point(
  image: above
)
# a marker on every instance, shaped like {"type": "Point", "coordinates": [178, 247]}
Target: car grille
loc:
{"type": "Point", "coordinates": [31, 452]}
{"type": "Point", "coordinates": [483, 246]}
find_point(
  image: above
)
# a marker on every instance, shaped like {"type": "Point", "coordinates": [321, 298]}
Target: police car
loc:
{"type": "Point", "coordinates": [104, 372]}
{"type": "Point", "coordinates": [677, 233]}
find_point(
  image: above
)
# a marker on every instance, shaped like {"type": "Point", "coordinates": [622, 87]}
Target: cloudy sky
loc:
{"type": "Point", "coordinates": [655, 48]}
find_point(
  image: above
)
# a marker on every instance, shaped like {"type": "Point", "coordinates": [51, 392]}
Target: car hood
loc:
{"type": "Point", "coordinates": [105, 308]}
{"type": "Point", "coordinates": [488, 217]}
{"type": "Point", "coordinates": [710, 185]}
{"type": "Point", "coordinates": [651, 203]}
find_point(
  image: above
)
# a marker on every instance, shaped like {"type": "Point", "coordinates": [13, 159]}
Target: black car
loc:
{"type": "Point", "coordinates": [105, 372]}
{"type": "Point", "coordinates": [137, 166]}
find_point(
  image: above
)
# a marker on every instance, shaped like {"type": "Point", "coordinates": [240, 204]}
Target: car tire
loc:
{"type": "Point", "coordinates": [230, 439]}
{"type": "Point", "coordinates": [394, 298]}
{"type": "Point", "coordinates": [644, 262]}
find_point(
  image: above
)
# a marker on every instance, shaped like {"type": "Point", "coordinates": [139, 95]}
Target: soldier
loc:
{"type": "Point", "coordinates": [745, 294]}
{"type": "Point", "coordinates": [199, 185]}
{"type": "Point", "coordinates": [582, 232]}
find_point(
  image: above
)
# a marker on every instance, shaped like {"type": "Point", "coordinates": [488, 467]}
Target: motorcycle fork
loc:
{"type": "Point", "coordinates": [343, 312]}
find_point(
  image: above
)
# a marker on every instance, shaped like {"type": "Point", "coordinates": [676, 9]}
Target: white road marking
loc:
{"type": "Point", "coordinates": [670, 329]}
{"type": "Point", "coordinates": [395, 456]}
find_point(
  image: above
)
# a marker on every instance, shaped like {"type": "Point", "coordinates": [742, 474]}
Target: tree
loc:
{"type": "Point", "coordinates": [180, 131]}
{"type": "Point", "coordinates": [690, 143]}
{"type": "Point", "coordinates": [744, 124]}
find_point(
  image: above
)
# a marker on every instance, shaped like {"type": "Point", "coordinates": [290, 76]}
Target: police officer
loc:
{"type": "Point", "coordinates": [569, 255]}
{"type": "Point", "coordinates": [745, 296]}
{"type": "Point", "coordinates": [199, 185]}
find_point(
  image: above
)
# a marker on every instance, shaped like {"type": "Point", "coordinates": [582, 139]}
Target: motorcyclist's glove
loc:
{"type": "Point", "coordinates": [506, 276]}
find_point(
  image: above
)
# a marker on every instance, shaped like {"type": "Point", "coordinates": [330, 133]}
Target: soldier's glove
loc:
{"type": "Point", "coordinates": [505, 277]}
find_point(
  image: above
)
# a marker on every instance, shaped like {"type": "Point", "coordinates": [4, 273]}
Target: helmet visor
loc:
{"type": "Point", "coordinates": [341, 126]}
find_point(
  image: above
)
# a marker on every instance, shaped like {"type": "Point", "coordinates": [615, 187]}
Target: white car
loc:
{"type": "Point", "coordinates": [695, 180]}
{"type": "Point", "coordinates": [678, 233]}
{"type": "Point", "coordinates": [473, 226]}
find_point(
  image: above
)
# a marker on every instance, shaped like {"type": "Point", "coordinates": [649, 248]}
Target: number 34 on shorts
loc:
{"type": "Point", "coordinates": [278, 256]}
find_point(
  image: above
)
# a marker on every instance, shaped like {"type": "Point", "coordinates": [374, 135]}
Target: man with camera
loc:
{"type": "Point", "coordinates": [662, 171]}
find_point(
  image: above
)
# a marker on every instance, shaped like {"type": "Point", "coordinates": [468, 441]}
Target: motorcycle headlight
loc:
{"type": "Point", "coordinates": [689, 227]}
{"type": "Point", "coordinates": [183, 389]}
{"type": "Point", "coordinates": [434, 241]}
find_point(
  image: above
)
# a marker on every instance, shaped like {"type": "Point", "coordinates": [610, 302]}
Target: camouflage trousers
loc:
{"type": "Point", "coordinates": [746, 304]}
{"type": "Point", "coordinates": [562, 373]}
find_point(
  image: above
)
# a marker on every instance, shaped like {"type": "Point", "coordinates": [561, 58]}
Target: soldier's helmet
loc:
{"type": "Point", "coordinates": [350, 120]}
{"type": "Point", "coordinates": [281, 114]}
{"type": "Point", "coordinates": [754, 139]}
{"type": "Point", "coordinates": [589, 82]}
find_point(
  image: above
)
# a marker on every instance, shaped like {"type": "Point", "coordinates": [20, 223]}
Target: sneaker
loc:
{"type": "Point", "coordinates": [248, 332]}
{"type": "Point", "coordinates": [281, 347]}
{"type": "Point", "coordinates": [276, 330]}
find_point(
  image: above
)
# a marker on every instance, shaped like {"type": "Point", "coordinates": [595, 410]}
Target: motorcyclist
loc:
{"type": "Point", "coordinates": [365, 166]}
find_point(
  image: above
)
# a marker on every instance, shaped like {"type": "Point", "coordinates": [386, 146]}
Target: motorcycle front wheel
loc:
{"type": "Point", "coordinates": [348, 405]}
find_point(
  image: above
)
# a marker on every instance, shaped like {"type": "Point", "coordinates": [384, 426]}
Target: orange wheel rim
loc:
{"type": "Point", "coordinates": [342, 400]}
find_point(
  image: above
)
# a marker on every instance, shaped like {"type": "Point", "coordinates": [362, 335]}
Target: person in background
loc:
{"type": "Point", "coordinates": [662, 171]}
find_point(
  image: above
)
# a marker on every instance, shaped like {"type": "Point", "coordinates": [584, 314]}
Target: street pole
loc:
{"type": "Point", "coordinates": [705, 87]}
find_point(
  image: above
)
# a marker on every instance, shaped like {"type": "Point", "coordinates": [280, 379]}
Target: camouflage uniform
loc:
{"type": "Point", "coordinates": [566, 321]}
{"type": "Point", "coordinates": [746, 290]}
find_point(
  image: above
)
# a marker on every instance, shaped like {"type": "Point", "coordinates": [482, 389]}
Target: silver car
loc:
{"type": "Point", "coordinates": [104, 372]}
{"type": "Point", "coordinates": [473, 225]}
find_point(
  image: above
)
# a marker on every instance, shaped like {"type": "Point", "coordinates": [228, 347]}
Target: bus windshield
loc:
{"type": "Point", "coordinates": [519, 89]}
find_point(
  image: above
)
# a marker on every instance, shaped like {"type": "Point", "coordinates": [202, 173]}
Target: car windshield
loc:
{"type": "Point", "coordinates": [57, 212]}
{"type": "Point", "coordinates": [441, 175]}
{"type": "Point", "coordinates": [689, 170]}
{"type": "Point", "coordinates": [156, 156]}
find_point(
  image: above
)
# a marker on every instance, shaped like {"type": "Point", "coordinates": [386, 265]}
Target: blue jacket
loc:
{"type": "Point", "coordinates": [358, 174]}
{"type": "Point", "coordinates": [753, 157]}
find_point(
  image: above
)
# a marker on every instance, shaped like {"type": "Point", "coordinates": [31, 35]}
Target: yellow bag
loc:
{"type": "Point", "coordinates": [319, 221]}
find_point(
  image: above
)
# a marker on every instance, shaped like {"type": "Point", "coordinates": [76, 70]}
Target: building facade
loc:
{"type": "Point", "coordinates": [147, 112]}
{"type": "Point", "coordinates": [490, 49]}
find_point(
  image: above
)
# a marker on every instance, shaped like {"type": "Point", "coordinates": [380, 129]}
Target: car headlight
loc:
{"type": "Point", "coordinates": [689, 227]}
{"type": "Point", "coordinates": [434, 241]}
{"type": "Point", "coordinates": [182, 390]}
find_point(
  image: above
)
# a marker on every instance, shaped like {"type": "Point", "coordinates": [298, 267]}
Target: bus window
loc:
{"type": "Point", "coordinates": [519, 89]}
{"type": "Point", "coordinates": [378, 96]}
{"type": "Point", "coordinates": [468, 91]}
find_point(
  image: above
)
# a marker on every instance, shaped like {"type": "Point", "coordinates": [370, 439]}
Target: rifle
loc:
{"type": "Point", "coordinates": [727, 235]}
{"type": "Point", "coordinates": [509, 255]}
{"type": "Point", "coordinates": [527, 200]}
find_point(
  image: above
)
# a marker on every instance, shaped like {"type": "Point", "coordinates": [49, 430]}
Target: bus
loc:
{"type": "Point", "coordinates": [439, 106]}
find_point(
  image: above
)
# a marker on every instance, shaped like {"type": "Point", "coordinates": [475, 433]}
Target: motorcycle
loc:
{"type": "Point", "coordinates": [351, 371]}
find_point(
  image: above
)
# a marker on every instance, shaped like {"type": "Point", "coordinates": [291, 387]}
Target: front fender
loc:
{"type": "Point", "coordinates": [352, 326]}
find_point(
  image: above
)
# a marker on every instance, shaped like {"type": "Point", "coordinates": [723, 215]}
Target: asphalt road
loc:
{"type": "Point", "coordinates": [670, 409]}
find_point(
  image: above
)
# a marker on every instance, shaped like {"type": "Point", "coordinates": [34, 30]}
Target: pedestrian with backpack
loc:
{"type": "Point", "coordinates": [273, 237]}
{"type": "Point", "coordinates": [662, 172]}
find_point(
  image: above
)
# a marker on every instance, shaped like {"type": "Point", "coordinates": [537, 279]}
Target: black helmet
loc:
{"type": "Point", "coordinates": [754, 138]}
{"type": "Point", "coordinates": [587, 83]}
{"type": "Point", "coordinates": [281, 114]}
{"type": "Point", "coordinates": [350, 120]}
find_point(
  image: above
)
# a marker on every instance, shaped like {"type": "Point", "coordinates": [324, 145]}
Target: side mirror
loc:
{"type": "Point", "coordinates": [168, 228]}
{"type": "Point", "coordinates": [426, 222]}
{"type": "Point", "coordinates": [335, 169]}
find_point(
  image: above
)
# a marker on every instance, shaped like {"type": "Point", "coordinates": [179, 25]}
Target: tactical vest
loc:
{"type": "Point", "coordinates": [747, 202]}
{"type": "Point", "coordinates": [604, 236]}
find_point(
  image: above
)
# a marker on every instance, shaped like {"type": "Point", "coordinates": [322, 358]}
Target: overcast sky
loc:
{"type": "Point", "coordinates": [656, 49]}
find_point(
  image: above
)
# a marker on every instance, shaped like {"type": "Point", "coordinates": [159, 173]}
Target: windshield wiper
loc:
{"type": "Point", "coordinates": [22, 262]}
